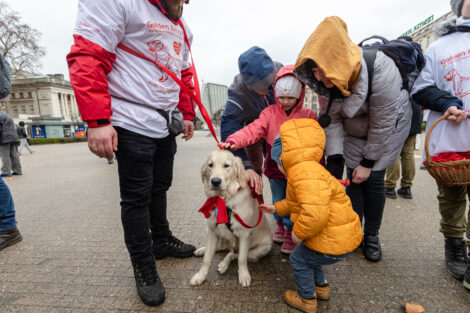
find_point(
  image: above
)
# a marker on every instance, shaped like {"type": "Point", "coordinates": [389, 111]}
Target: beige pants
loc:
{"type": "Point", "coordinates": [407, 160]}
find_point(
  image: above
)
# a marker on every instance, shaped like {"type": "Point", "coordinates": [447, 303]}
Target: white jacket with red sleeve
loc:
{"type": "Point", "coordinates": [110, 84]}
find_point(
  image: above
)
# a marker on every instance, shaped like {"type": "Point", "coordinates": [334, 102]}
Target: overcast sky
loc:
{"type": "Point", "coordinates": [223, 29]}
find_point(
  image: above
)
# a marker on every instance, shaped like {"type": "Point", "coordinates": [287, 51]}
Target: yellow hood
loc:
{"type": "Point", "coordinates": [303, 140]}
{"type": "Point", "coordinates": [317, 203]}
{"type": "Point", "coordinates": [331, 49]}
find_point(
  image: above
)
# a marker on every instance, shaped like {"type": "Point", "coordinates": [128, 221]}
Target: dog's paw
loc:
{"type": "Point", "coordinates": [223, 267]}
{"type": "Point", "coordinates": [197, 279]}
{"type": "Point", "coordinates": [200, 251]}
{"type": "Point", "coordinates": [244, 279]}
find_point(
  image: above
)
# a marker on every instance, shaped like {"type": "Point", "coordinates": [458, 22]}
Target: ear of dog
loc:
{"type": "Point", "coordinates": [242, 175]}
{"type": "Point", "coordinates": [204, 169]}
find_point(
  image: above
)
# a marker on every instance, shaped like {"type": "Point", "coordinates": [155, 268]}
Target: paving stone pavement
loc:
{"type": "Point", "coordinates": [73, 257]}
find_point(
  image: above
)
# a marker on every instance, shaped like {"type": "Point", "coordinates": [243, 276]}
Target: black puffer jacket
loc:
{"type": "Point", "coordinates": [416, 118]}
{"type": "Point", "coordinates": [7, 129]}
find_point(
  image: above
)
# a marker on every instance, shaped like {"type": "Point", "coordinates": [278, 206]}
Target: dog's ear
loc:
{"type": "Point", "coordinates": [204, 168]}
{"type": "Point", "coordinates": [242, 175]}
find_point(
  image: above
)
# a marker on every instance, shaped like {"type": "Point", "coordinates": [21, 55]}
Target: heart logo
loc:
{"type": "Point", "coordinates": [177, 47]}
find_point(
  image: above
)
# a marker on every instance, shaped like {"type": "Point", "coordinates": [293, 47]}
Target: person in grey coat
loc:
{"type": "Point", "coordinates": [20, 130]}
{"type": "Point", "coordinates": [365, 132]}
{"type": "Point", "coordinates": [9, 146]}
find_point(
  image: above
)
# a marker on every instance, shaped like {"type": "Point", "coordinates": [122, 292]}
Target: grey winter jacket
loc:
{"type": "Point", "coordinates": [7, 129]}
{"type": "Point", "coordinates": [21, 132]}
{"type": "Point", "coordinates": [374, 129]}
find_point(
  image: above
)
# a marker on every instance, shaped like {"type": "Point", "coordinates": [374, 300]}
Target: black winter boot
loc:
{"type": "Point", "coordinates": [405, 192]}
{"type": "Point", "coordinates": [9, 237]}
{"type": "Point", "coordinates": [390, 193]}
{"type": "Point", "coordinates": [172, 246]}
{"type": "Point", "coordinates": [455, 256]}
{"type": "Point", "coordinates": [149, 285]}
{"type": "Point", "coordinates": [371, 248]}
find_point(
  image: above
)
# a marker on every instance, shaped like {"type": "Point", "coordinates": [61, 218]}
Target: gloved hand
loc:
{"type": "Point", "coordinates": [335, 165]}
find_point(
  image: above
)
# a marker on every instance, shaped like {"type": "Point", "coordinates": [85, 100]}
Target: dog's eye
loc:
{"type": "Point", "coordinates": [226, 165]}
{"type": "Point", "coordinates": [210, 165]}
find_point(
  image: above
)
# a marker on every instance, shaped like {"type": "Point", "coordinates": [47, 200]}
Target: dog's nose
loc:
{"type": "Point", "coordinates": [216, 181]}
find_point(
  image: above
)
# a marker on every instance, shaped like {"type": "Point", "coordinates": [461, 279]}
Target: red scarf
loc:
{"type": "Point", "coordinates": [211, 204]}
{"type": "Point", "coordinates": [160, 7]}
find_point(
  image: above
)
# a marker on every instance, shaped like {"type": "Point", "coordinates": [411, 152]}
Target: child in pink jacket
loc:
{"type": "Point", "coordinates": [289, 93]}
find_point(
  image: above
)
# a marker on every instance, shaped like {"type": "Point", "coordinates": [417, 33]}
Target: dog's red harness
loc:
{"type": "Point", "coordinates": [222, 215]}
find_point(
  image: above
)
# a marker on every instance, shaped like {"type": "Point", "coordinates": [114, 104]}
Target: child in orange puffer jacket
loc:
{"type": "Point", "coordinates": [326, 228]}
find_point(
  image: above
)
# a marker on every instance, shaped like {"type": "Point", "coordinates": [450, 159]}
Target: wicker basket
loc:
{"type": "Point", "coordinates": [451, 173]}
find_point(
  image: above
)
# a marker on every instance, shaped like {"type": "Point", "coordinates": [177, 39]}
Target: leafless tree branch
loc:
{"type": "Point", "coordinates": [19, 42]}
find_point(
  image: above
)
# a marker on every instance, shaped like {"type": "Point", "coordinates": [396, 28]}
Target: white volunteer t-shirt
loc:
{"type": "Point", "coordinates": [142, 27]}
{"type": "Point", "coordinates": [448, 67]}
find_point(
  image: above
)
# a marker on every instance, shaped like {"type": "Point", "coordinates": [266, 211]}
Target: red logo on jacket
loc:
{"type": "Point", "coordinates": [457, 81]}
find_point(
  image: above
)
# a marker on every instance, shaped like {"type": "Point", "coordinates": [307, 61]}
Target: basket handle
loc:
{"type": "Point", "coordinates": [428, 135]}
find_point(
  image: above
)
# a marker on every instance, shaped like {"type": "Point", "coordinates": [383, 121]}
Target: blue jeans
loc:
{"type": "Point", "coordinates": [278, 191]}
{"type": "Point", "coordinates": [368, 200]}
{"type": "Point", "coordinates": [307, 266]}
{"type": "Point", "coordinates": [7, 208]}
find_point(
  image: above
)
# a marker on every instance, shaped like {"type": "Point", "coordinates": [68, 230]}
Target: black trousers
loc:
{"type": "Point", "coordinates": [368, 200]}
{"type": "Point", "coordinates": [145, 168]}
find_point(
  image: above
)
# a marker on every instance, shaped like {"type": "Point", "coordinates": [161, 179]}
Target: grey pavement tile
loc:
{"type": "Point", "coordinates": [73, 257]}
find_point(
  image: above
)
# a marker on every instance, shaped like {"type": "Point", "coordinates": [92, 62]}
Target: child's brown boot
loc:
{"type": "Point", "coordinates": [293, 299]}
{"type": "Point", "coordinates": [323, 292]}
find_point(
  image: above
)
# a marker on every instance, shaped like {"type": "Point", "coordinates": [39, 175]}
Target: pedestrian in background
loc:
{"type": "Point", "coordinates": [406, 159]}
{"type": "Point", "coordinates": [9, 146]}
{"type": "Point", "coordinates": [23, 138]}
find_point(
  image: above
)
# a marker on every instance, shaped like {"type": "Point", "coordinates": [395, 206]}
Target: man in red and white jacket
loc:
{"type": "Point", "coordinates": [118, 94]}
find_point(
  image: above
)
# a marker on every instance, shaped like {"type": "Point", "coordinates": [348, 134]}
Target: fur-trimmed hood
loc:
{"type": "Point", "coordinates": [445, 26]}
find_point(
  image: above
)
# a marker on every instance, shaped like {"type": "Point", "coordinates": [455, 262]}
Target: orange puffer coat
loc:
{"type": "Point", "coordinates": [317, 203]}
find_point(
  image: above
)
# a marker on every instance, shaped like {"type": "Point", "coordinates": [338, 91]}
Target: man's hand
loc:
{"type": "Point", "coordinates": [361, 174]}
{"type": "Point", "coordinates": [456, 115]}
{"type": "Point", "coordinates": [188, 130]}
{"type": "Point", "coordinates": [267, 208]}
{"type": "Point", "coordinates": [256, 181]}
{"type": "Point", "coordinates": [227, 145]}
{"type": "Point", "coordinates": [102, 141]}
{"type": "Point", "coordinates": [295, 238]}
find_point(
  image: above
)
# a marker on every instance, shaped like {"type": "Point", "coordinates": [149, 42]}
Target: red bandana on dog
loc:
{"type": "Point", "coordinates": [211, 204]}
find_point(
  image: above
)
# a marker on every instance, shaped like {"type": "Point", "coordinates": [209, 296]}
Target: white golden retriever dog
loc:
{"type": "Point", "coordinates": [223, 175]}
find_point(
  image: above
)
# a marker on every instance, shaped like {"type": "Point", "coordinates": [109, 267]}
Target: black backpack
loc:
{"type": "Point", "coordinates": [405, 53]}
{"type": "Point", "coordinates": [5, 84]}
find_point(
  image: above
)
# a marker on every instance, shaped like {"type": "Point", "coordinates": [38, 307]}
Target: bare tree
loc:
{"type": "Point", "coordinates": [19, 43]}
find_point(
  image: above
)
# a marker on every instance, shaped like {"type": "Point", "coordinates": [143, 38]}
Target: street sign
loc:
{"type": "Point", "coordinates": [418, 26]}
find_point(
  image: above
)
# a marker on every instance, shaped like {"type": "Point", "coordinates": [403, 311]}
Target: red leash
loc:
{"type": "Point", "coordinates": [195, 97]}
{"type": "Point", "coordinates": [260, 216]}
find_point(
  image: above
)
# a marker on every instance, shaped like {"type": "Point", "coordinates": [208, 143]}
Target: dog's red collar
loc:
{"type": "Point", "coordinates": [222, 215]}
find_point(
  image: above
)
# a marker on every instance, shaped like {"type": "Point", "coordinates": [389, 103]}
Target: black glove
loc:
{"type": "Point", "coordinates": [335, 165]}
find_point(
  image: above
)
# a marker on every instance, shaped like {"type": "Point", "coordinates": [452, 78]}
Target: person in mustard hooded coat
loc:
{"type": "Point", "coordinates": [365, 129]}
{"type": "Point", "coordinates": [326, 228]}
